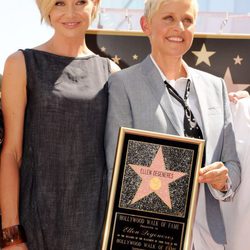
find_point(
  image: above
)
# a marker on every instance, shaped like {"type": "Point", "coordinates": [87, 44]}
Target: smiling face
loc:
{"type": "Point", "coordinates": [71, 18]}
{"type": "Point", "coordinates": [171, 28]}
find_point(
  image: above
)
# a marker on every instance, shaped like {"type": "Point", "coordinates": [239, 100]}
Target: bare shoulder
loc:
{"type": "Point", "coordinates": [15, 63]}
{"type": "Point", "coordinates": [14, 69]}
{"type": "Point", "coordinates": [15, 59]}
{"type": "Point", "coordinates": [114, 67]}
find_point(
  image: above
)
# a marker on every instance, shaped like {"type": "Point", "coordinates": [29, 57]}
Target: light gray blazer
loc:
{"type": "Point", "coordinates": [138, 99]}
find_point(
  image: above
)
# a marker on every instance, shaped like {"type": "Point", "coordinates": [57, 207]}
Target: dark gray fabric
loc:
{"type": "Point", "coordinates": [63, 174]}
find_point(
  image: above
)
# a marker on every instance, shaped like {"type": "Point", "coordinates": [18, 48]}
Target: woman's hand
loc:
{"type": "Point", "coordinates": [216, 175]}
{"type": "Point", "coordinates": [235, 96]}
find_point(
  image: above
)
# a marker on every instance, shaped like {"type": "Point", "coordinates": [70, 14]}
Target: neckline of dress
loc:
{"type": "Point", "coordinates": [69, 57]}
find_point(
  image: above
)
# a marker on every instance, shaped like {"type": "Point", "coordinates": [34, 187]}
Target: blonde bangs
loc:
{"type": "Point", "coordinates": [45, 7]}
{"type": "Point", "coordinates": [152, 6]}
{"type": "Point", "coordinates": [97, 6]}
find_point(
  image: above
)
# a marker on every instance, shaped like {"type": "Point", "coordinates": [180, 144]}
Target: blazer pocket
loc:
{"type": "Point", "coordinates": [214, 111]}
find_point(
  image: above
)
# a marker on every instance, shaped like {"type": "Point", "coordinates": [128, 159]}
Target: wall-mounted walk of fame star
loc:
{"type": "Point", "coordinates": [203, 55]}
{"type": "Point", "coordinates": [155, 178]}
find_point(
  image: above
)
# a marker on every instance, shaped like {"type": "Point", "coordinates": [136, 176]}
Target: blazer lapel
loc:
{"type": "Point", "coordinates": [202, 100]}
{"type": "Point", "coordinates": [154, 81]}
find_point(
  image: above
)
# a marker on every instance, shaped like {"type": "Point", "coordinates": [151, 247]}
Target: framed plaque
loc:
{"type": "Point", "coordinates": [153, 192]}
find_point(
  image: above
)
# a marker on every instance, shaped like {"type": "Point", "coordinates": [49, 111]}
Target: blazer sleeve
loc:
{"type": "Point", "coordinates": [229, 154]}
{"type": "Point", "coordinates": [119, 115]}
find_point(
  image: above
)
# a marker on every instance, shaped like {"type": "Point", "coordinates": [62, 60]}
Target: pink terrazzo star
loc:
{"type": "Point", "coordinates": [155, 179]}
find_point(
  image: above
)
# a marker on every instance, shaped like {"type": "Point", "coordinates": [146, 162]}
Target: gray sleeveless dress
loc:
{"type": "Point", "coordinates": [63, 187]}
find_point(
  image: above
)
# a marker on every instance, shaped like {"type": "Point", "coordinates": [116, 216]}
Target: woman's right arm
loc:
{"type": "Point", "coordinates": [13, 105]}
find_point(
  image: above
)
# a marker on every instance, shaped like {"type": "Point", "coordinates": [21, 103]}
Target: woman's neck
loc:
{"type": "Point", "coordinates": [72, 47]}
{"type": "Point", "coordinates": [171, 67]}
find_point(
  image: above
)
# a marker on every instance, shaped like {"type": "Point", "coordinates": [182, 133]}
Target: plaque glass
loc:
{"type": "Point", "coordinates": [153, 192]}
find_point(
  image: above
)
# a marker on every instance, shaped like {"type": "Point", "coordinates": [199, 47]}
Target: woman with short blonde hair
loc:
{"type": "Point", "coordinates": [165, 95]}
{"type": "Point", "coordinates": [53, 169]}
